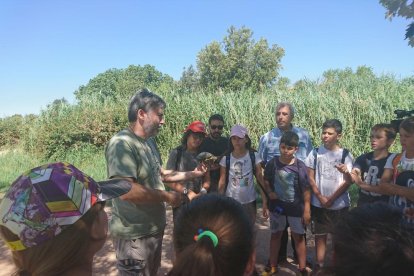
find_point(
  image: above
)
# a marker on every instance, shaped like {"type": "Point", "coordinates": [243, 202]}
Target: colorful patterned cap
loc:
{"type": "Point", "coordinates": [45, 200]}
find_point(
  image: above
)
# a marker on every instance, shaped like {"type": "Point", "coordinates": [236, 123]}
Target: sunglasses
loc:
{"type": "Point", "coordinates": [216, 127]}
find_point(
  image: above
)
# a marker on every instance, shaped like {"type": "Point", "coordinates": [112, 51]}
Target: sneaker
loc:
{"type": "Point", "coordinates": [303, 272]}
{"type": "Point", "coordinates": [270, 272]}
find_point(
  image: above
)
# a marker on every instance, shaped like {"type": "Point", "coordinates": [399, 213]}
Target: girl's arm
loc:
{"type": "Point", "coordinates": [206, 183]}
{"type": "Point", "coordinates": [263, 195]}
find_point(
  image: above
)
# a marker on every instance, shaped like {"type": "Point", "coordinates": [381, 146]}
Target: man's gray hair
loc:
{"type": "Point", "coordinates": [288, 105]}
{"type": "Point", "coordinates": [145, 100]}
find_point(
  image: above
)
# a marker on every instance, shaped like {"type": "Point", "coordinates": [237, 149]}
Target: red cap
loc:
{"type": "Point", "coordinates": [197, 127]}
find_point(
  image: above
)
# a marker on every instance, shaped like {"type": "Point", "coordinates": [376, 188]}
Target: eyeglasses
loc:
{"type": "Point", "coordinates": [216, 127]}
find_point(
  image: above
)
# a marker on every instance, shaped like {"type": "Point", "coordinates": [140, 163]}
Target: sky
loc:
{"type": "Point", "coordinates": [50, 48]}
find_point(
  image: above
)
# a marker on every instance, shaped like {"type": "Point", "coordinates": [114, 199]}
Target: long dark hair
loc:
{"type": "Point", "coordinates": [224, 217]}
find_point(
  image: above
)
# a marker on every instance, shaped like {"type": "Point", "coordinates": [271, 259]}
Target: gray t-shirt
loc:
{"type": "Point", "coordinates": [187, 162]}
{"type": "Point", "coordinates": [128, 155]}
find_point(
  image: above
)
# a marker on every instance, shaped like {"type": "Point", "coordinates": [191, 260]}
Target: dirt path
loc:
{"type": "Point", "coordinates": [104, 263]}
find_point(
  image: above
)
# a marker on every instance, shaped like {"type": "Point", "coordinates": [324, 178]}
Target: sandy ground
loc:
{"type": "Point", "coordinates": [104, 262]}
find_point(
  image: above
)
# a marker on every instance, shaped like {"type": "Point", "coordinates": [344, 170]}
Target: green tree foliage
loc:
{"type": "Point", "coordinates": [15, 128]}
{"type": "Point", "coordinates": [403, 8]}
{"type": "Point", "coordinates": [239, 62]}
{"type": "Point", "coordinates": [115, 84]}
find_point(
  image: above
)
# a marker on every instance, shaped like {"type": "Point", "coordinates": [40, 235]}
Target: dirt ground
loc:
{"type": "Point", "coordinates": [104, 263]}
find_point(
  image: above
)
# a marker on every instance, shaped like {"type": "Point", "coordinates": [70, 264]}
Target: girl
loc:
{"type": "Point", "coordinates": [183, 158]}
{"type": "Point", "coordinates": [237, 168]}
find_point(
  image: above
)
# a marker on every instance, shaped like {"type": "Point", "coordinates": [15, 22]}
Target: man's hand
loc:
{"type": "Point", "coordinates": [173, 198]}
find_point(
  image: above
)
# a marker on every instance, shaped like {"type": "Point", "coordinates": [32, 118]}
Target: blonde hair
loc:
{"type": "Point", "coordinates": [64, 252]}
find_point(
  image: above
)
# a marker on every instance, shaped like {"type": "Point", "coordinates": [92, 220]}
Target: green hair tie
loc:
{"type": "Point", "coordinates": [207, 233]}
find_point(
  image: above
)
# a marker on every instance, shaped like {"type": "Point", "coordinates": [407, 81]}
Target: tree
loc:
{"type": "Point", "coordinates": [239, 62]}
{"type": "Point", "coordinates": [122, 83]}
{"type": "Point", "coordinates": [403, 8]}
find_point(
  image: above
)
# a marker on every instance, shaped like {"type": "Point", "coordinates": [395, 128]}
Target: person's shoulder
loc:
{"type": "Point", "coordinates": [123, 135]}
{"type": "Point", "coordinates": [273, 132]}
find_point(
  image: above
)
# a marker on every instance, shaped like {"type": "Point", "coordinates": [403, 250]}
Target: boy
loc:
{"type": "Point", "coordinates": [368, 168]}
{"type": "Point", "coordinates": [329, 178]}
{"type": "Point", "coordinates": [398, 177]}
{"type": "Point", "coordinates": [287, 184]}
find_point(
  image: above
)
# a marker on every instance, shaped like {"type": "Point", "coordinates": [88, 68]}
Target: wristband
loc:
{"type": "Point", "coordinates": [203, 191]}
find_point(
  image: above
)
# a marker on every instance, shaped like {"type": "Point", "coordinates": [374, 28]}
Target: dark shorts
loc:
{"type": "Point", "coordinates": [323, 220]}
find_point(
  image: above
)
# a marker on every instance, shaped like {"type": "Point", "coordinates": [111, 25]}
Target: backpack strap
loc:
{"type": "Point", "coordinates": [345, 153]}
{"type": "Point", "coordinates": [253, 159]}
{"type": "Point", "coordinates": [395, 163]}
{"type": "Point", "coordinates": [227, 171]}
{"type": "Point", "coordinates": [178, 157]}
{"type": "Point", "coordinates": [315, 157]}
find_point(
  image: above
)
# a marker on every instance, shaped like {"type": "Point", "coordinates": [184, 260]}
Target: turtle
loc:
{"type": "Point", "coordinates": [206, 157]}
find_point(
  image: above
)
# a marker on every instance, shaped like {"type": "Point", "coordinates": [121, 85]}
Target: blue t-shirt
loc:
{"type": "Point", "coordinates": [289, 183]}
{"type": "Point", "coordinates": [269, 144]}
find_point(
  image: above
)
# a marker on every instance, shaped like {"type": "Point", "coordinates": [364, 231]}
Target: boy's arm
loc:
{"type": "Point", "coordinates": [314, 187]}
{"type": "Point", "coordinates": [341, 189]}
{"type": "Point", "coordinates": [357, 179]}
{"type": "Point", "coordinates": [306, 210]}
{"type": "Point", "coordinates": [387, 186]}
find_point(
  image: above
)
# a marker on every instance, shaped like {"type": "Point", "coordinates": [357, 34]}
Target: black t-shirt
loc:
{"type": "Point", "coordinates": [371, 172]}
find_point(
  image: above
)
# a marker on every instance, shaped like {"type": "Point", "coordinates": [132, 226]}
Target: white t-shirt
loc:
{"type": "Point", "coordinates": [327, 177]}
{"type": "Point", "coordinates": [405, 173]}
{"type": "Point", "coordinates": [241, 185]}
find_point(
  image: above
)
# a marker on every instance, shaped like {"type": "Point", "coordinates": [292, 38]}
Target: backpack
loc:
{"type": "Point", "coordinates": [345, 153]}
{"type": "Point", "coordinates": [253, 159]}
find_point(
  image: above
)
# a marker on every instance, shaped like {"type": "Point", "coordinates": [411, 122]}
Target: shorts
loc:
{"type": "Point", "coordinates": [323, 220]}
{"type": "Point", "coordinates": [278, 223]}
{"type": "Point", "coordinates": [140, 256]}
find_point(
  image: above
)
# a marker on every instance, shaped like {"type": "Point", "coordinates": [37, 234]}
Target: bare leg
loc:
{"type": "Point", "coordinates": [274, 247]}
{"type": "Point", "coordinates": [320, 244]}
{"type": "Point", "coordinates": [300, 245]}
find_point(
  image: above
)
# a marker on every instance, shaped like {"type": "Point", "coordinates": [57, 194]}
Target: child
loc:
{"type": "Point", "coordinates": [368, 168]}
{"type": "Point", "coordinates": [53, 220]}
{"type": "Point", "coordinates": [213, 236]}
{"type": "Point", "coordinates": [398, 177]}
{"type": "Point", "coordinates": [237, 168]}
{"type": "Point", "coordinates": [329, 177]}
{"type": "Point", "coordinates": [183, 158]}
{"type": "Point", "coordinates": [286, 181]}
